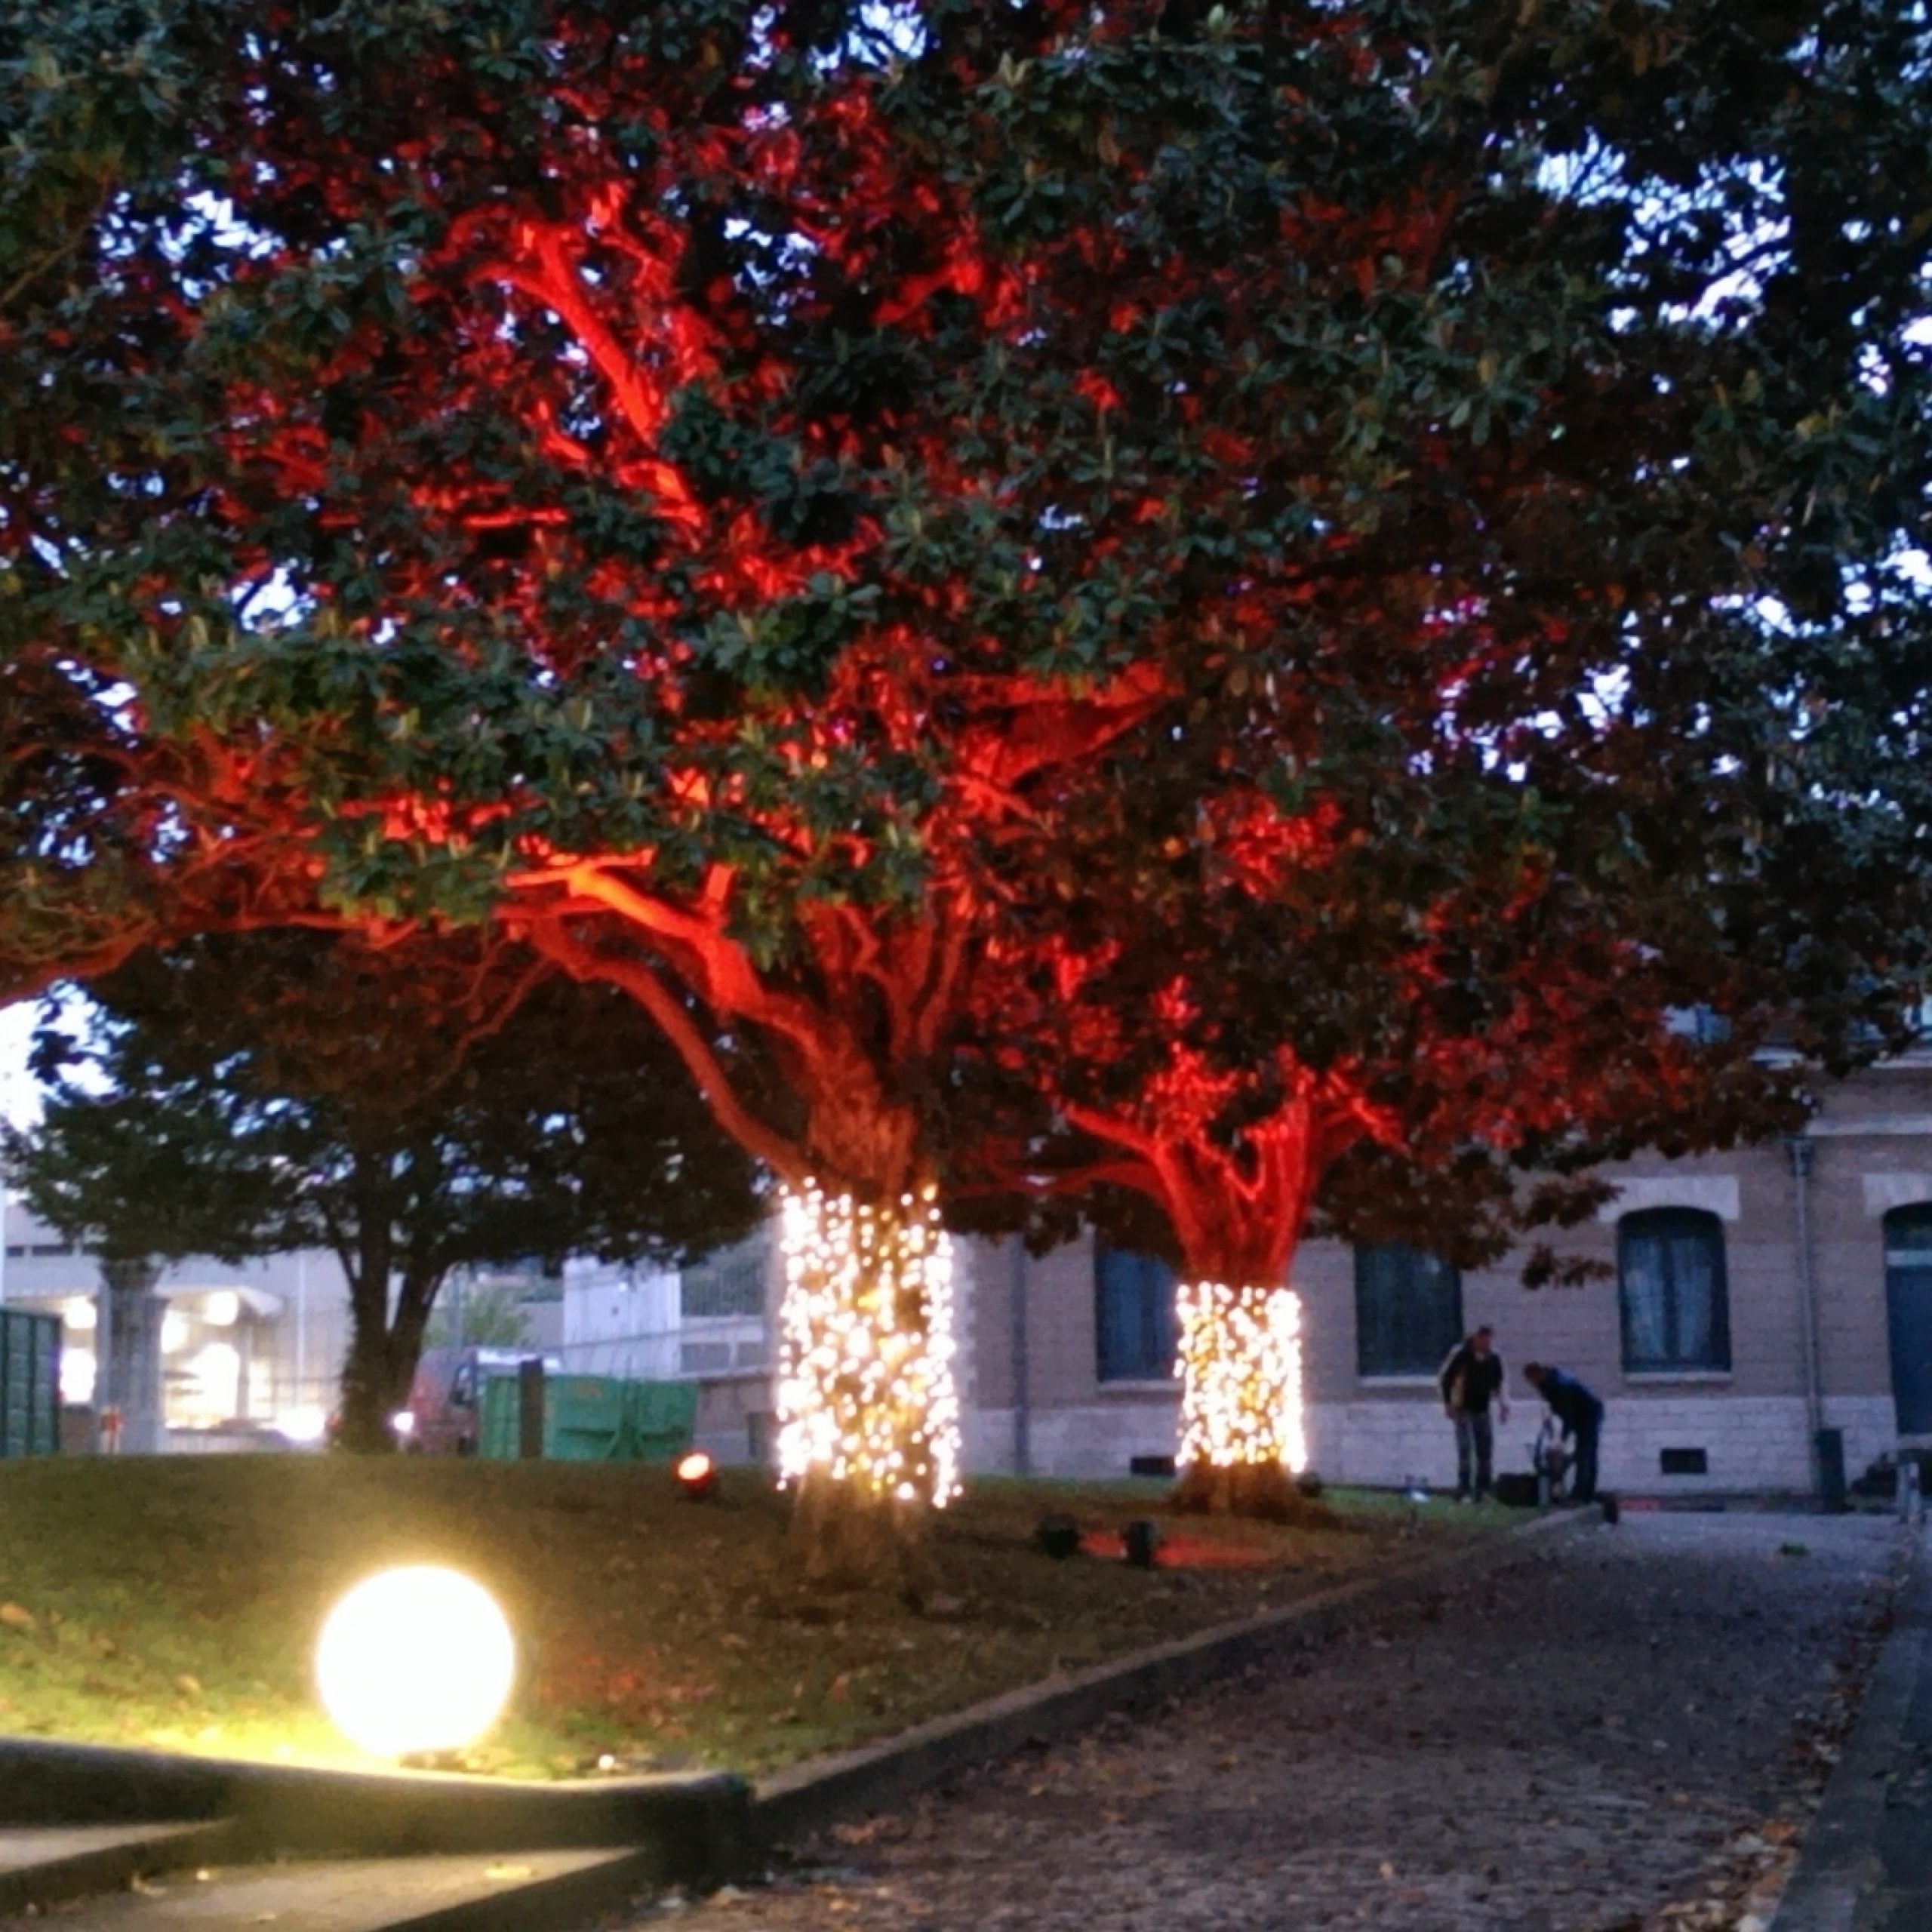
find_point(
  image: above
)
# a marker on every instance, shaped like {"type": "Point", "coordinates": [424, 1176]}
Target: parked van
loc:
{"type": "Point", "coordinates": [446, 1398]}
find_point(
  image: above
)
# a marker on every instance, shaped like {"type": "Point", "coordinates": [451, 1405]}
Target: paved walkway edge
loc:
{"type": "Point", "coordinates": [804, 1799]}
{"type": "Point", "coordinates": [1838, 1860]}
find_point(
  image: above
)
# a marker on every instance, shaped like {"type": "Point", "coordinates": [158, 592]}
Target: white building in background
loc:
{"type": "Point", "coordinates": [258, 1344]}
{"type": "Point", "coordinates": [711, 1323]}
{"type": "Point", "coordinates": [619, 1320]}
{"type": "Point", "coordinates": [253, 1351]}
{"type": "Point", "coordinates": [657, 1325]}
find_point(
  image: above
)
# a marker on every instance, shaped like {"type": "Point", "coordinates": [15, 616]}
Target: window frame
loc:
{"type": "Point", "coordinates": [1668, 1226]}
{"type": "Point", "coordinates": [1908, 1217]}
{"type": "Point", "coordinates": [1414, 1369]}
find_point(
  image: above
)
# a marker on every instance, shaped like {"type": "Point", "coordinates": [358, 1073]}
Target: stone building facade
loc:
{"type": "Point", "coordinates": [1753, 1297]}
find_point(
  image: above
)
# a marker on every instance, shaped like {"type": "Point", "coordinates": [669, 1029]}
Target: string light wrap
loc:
{"type": "Point", "coordinates": [1240, 1368]}
{"type": "Point", "coordinates": [866, 1392]}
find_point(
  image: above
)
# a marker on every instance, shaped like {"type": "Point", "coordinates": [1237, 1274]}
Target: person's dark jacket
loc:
{"type": "Point", "coordinates": [1470, 1382]}
{"type": "Point", "coordinates": [1573, 1405]}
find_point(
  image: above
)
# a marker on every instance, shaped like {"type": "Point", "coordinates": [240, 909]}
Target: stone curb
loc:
{"type": "Point", "coordinates": [804, 1799]}
{"type": "Point", "coordinates": [693, 1827]}
{"type": "Point", "coordinates": [1838, 1862]}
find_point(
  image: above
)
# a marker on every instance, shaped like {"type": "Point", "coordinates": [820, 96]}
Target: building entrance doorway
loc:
{"type": "Point", "coordinates": [1909, 1314]}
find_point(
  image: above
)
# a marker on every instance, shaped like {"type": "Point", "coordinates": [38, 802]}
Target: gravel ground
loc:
{"type": "Point", "coordinates": [1613, 1728]}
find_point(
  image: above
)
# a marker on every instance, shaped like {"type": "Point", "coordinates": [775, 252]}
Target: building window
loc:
{"type": "Point", "coordinates": [1134, 1304]}
{"type": "Point", "coordinates": [1671, 1287]}
{"type": "Point", "coordinates": [1408, 1310]}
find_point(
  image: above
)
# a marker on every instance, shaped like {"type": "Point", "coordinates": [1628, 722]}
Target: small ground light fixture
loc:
{"type": "Point", "coordinates": [306, 1425]}
{"type": "Point", "coordinates": [415, 1661]}
{"type": "Point", "coordinates": [1058, 1536]}
{"type": "Point", "coordinates": [1138, 1541]}
{"type": "Point", "coordinates": [402, 1424]}
{"type": "Point", "coordinates": [696, 1474]}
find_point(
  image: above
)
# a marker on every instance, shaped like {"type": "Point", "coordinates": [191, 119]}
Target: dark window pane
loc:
{"type": "Point", "coordinates": [1671, 1291]}
{"type": "Point", "coordinates": [1694, 1266]}
{"type": "Point", "coordinates": [1408, 1310]}
{"type": "Point", "coordinates": [1644, 1271]}
{"type": "Point", "coordinates": [1134, 1315]}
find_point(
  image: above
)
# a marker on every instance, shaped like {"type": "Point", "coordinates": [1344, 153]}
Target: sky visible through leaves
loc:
{"type": "Point", "coordinates": [19, 1099]}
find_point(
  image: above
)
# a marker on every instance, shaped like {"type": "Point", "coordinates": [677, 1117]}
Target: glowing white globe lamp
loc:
{"type": "Point", "coordinates": [415, 1660]}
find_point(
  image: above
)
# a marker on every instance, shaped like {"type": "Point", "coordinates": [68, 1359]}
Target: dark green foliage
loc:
{"type": "Point", "coordinates": [434, 1107]}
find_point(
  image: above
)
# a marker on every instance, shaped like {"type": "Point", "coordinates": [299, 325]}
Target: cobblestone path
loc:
{"type": "Point", "coordinates": [1605, 1729]}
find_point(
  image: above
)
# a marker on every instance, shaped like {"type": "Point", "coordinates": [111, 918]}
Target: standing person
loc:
{"type": "Point", "coordinates": [1581, 1411]}
{"type": "Point", "coordinates": [1471, 1379]}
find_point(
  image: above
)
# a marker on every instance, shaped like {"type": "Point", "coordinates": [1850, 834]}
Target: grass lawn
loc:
{"type": "Point", "coordinates": [175, 1602]}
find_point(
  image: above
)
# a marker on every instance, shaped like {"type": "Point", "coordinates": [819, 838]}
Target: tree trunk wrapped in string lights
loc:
{"type": "Point", "coordinates": [869, 1416]}
{"type": "Point", "coordinates": [1186, 1140]}
{"type": "Point", "coordinates": [1241, 1435]}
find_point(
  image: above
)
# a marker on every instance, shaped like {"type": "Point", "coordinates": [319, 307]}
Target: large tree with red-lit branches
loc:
{"type": "Point", "coordinates": [625, 457]}
{"type": "Point", "coordinates": [702, 485]}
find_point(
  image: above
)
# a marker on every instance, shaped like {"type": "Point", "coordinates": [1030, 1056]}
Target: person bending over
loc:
{"type": "Point", "coordinates": [1581, 1411]}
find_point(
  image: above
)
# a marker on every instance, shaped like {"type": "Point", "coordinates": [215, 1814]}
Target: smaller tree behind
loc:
{"type": "Point", "coordinates": [487, 1316]}
{"type": "Point", "coordinates": [413, 1110]}
{"type": "Point", "coordinates": [1392, 992]}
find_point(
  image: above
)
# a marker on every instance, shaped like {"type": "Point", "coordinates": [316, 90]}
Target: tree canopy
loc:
{"type": "Point", "coordinates": [557, 433]}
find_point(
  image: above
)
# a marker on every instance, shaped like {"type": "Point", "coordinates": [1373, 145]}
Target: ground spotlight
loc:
{"type": "Point", "coordinates": [303, 1425]}
{"type": "Point", "coordinates": [415, 1661]}
{"type": "Point", "coordinates": [696, 1475]}
{"type": "Point", "coordinates": [1058, 1536]}
{"type": "Point", "coordinates": [1138, 1541]}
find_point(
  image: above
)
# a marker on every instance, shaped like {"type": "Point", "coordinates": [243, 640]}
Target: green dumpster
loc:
{"type": "Point", "coordinates": [592, 1419]}
{"type": "Point", "coordinates": [29, 1383]}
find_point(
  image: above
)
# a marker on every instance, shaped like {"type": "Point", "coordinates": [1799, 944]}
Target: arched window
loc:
{"type": "Point", "coordinates": [1670, 1280]}
{"type": "Point", "coordinates": [1134, 1296]}
{"type": "Point", "coordinates": [1408, 1310]}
